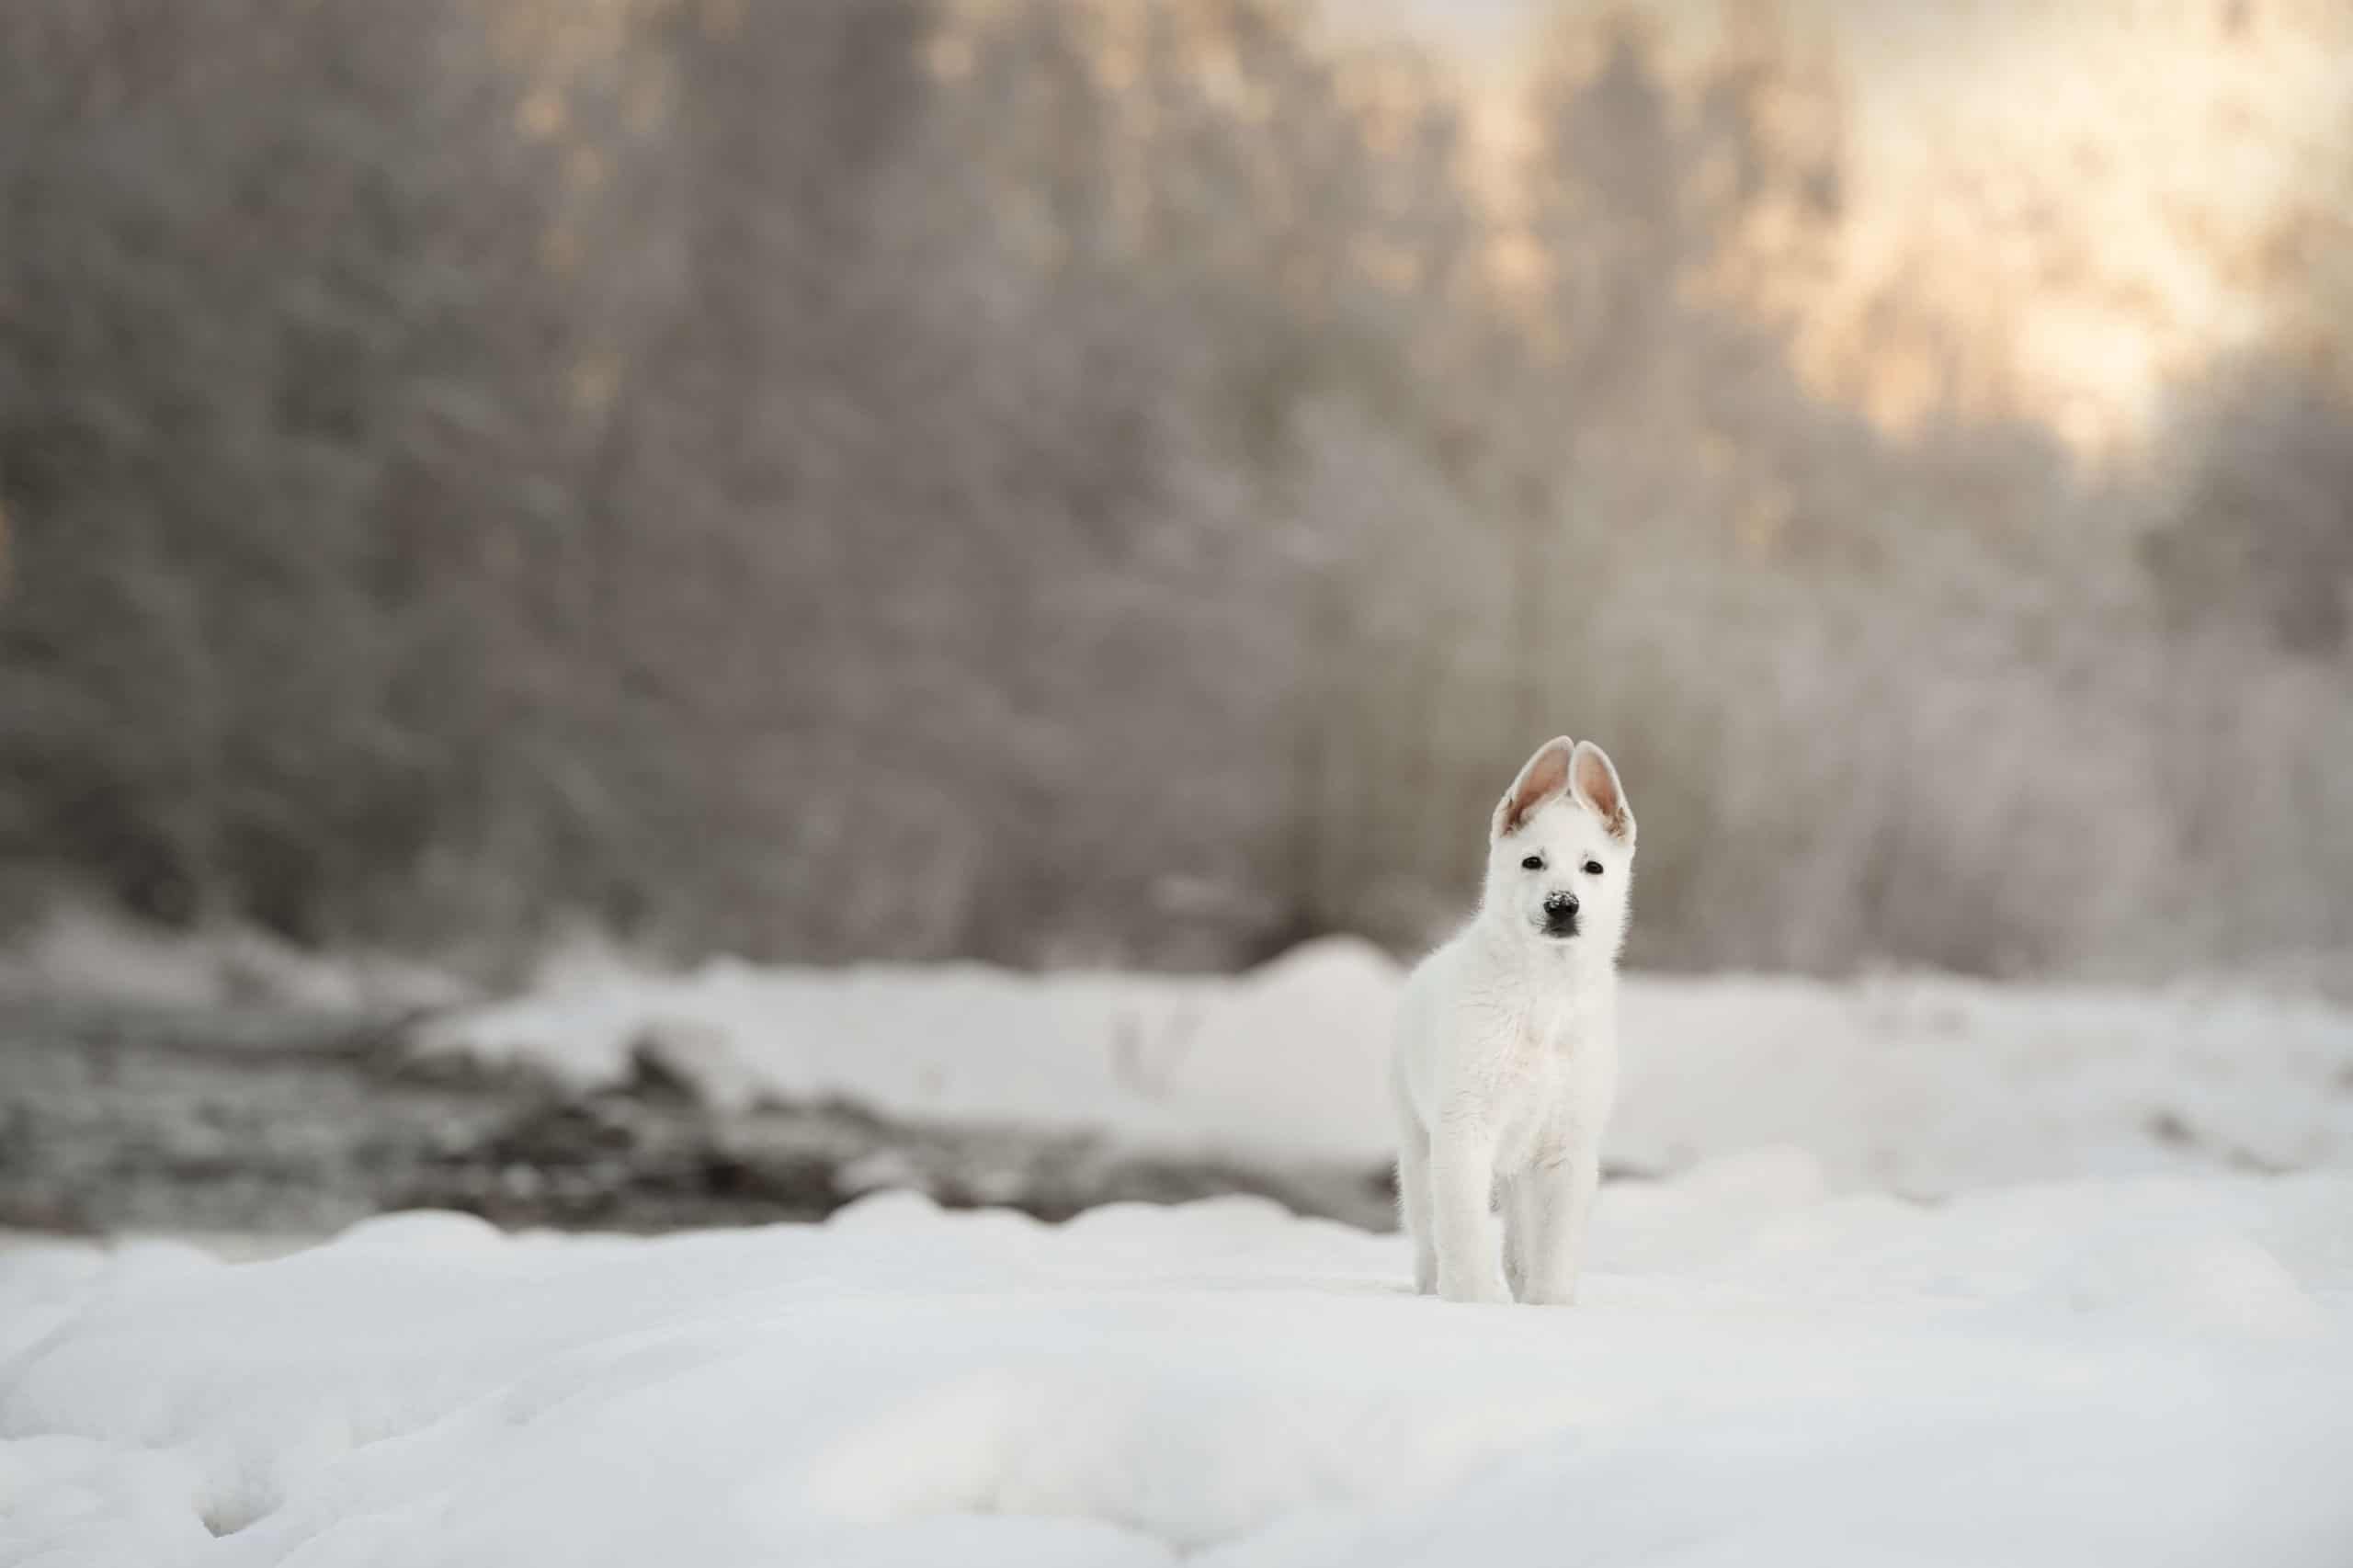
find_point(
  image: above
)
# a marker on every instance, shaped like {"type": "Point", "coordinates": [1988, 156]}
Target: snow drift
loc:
{"type": "Point", "coordinates": [2149, 1371]}
{"type": "Point", "coordinates": [1922, 1086]}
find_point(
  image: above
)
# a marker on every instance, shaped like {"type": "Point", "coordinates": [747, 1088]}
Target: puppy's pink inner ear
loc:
{"type": "Point", "coordinates": [1597, 784]}
{"type": "Point", "coordinates": [1546, 774]}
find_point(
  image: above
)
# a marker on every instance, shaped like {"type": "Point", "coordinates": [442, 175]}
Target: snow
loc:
{"type": "Point", "coordinates": [2151, 1370]}
{"type": "Point", "coordinates": [2110, 1339]}
{"type": "Point", "coordinates": [1920, 1085]}
{"type": "Point", "coordinates": [78, 952]}
{"type": "Point", "coordinates": [1281, 1058]}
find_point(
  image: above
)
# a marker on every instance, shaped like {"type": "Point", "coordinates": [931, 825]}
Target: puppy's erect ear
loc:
{"type": "Point", "coordinates": [1545, 776]}
{"type": "Point", "coordinates": [1594, 782]}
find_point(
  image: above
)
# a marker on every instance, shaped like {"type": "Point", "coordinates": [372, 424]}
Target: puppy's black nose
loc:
{"type": "Point", "coordinates": [1559, 905]}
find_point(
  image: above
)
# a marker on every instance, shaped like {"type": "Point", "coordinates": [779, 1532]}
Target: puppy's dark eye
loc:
{"type": "Point", "coordinates": [1593, 868]}
{"type": "Point", "coordinates": [1533, 863]}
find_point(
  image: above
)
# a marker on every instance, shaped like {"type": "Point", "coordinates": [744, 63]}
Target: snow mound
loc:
{"type": "Point", "coordinates": [79, 953]}
{"type": "Point", "coordinates": [2149, 1371]}
{"type": "Point", "coordinates": [1287, 1057]}
{"type": "Point", "coordinates": [1922, 1086]}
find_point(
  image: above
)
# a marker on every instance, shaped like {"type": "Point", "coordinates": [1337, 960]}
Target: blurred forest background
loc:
{"type": "Point", "coordinates": [1127, 482]}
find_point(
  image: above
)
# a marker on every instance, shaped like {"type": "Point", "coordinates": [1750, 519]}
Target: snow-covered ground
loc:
{"type": "Point", "coordinates": [79, 952]}
{"type": "Point", "coordinates": [2108, 1342]}
{"type": "Point", "coordinates": [2149, 1371]}
{"type": "Point", "coordinates": [1919, 1086]}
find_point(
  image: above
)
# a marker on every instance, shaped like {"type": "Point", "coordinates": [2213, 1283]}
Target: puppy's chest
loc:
{"type": "Point", "coordinates": [1553, 1063]}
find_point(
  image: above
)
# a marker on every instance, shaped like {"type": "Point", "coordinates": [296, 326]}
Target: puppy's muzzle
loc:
{"type": "Point", "coordinates": [1561, 914]}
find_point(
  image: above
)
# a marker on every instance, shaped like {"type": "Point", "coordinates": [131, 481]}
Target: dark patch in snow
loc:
{"type": "Point", "coordinates": [2170, 1129]}
{"type": "Point", "coordinates": [115, 1118]}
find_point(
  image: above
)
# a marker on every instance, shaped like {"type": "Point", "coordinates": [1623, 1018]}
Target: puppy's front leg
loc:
{"type": "Point", "coordinates": [1560, 1199]}
{"type": "Point", "coordinates": [1463, 1174]}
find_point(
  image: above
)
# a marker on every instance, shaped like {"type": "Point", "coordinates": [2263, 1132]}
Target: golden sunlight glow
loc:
{"type": "Point", "coordinates": [2049, 210]}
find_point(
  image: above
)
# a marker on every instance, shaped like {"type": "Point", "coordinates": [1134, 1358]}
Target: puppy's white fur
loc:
{"type": "Point", "coordinates": [1507, 1050]}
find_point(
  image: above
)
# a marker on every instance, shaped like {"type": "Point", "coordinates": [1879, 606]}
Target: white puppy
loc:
{"type": "Point", "coordinates": [1506, 1056]}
